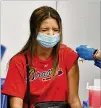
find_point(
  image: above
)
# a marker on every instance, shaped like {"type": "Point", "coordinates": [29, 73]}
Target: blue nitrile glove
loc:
{"type": "Point", "coordinates": [85, 52]}
{"type": "Point", "coordinates": [97, 63]}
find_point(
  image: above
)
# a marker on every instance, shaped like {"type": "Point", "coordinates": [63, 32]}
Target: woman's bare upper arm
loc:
{"type": "Point", "coordinates": [73, 79]}
{"type": "Point", "coordinates": [16, 102]}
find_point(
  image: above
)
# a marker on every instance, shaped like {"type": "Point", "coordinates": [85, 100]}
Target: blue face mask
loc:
{"type": "Point", "coordinates": [48, 41]}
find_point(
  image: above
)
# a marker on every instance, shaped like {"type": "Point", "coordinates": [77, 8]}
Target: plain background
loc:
{"type": "Point", "coordinates": [81, 25]}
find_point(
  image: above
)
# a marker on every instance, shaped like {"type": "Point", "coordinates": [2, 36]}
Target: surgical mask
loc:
{"type": "Point", "coordinates": [48, 41]}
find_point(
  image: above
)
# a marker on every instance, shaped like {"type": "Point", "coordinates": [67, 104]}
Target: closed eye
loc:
{"type": "Point", "coordinates": [56, 30]}
{"type": "Point", "coordinates": [44, 30]}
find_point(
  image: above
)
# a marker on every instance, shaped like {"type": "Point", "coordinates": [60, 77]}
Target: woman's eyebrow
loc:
{"type": "Point", "coordinates": [55, 28]}
{"type": "Point", "coordinates": [48, 27]}
{"type": "Point", "coordinates": [44, 28]}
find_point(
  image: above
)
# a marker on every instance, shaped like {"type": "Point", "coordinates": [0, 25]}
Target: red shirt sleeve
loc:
{"type": "Point", "coordinates": [15, 84]}
{"type": "Point", "coordinates": [70, 56]}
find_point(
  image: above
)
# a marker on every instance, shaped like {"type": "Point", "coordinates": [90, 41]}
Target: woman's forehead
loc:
{"type": "Point", "coordinates": [49, 22]}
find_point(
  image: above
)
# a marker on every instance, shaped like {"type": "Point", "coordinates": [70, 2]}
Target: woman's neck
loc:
{"type": "Point", "coordinates": [44, 53]}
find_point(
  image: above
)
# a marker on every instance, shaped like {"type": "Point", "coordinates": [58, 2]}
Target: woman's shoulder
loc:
{"type": "Point", "coordinates": [65, 48]}
{"type": "Point", "coordinates": [18, 58]}
{"type": "Point", "coordinates": [67, 51]}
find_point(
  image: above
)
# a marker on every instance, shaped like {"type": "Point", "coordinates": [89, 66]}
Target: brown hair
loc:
{"type": "Point", "coordinates": [36, 19]}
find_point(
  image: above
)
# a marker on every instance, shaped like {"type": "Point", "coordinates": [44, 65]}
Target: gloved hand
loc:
{"type": "Point", "coordinates": [85, 52]}
{"type": "Point", "coordinates": [97, 63]}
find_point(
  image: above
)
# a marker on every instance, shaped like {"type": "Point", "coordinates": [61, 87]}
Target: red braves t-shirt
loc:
{"type": "Point", "coordinates": [43, 87]}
